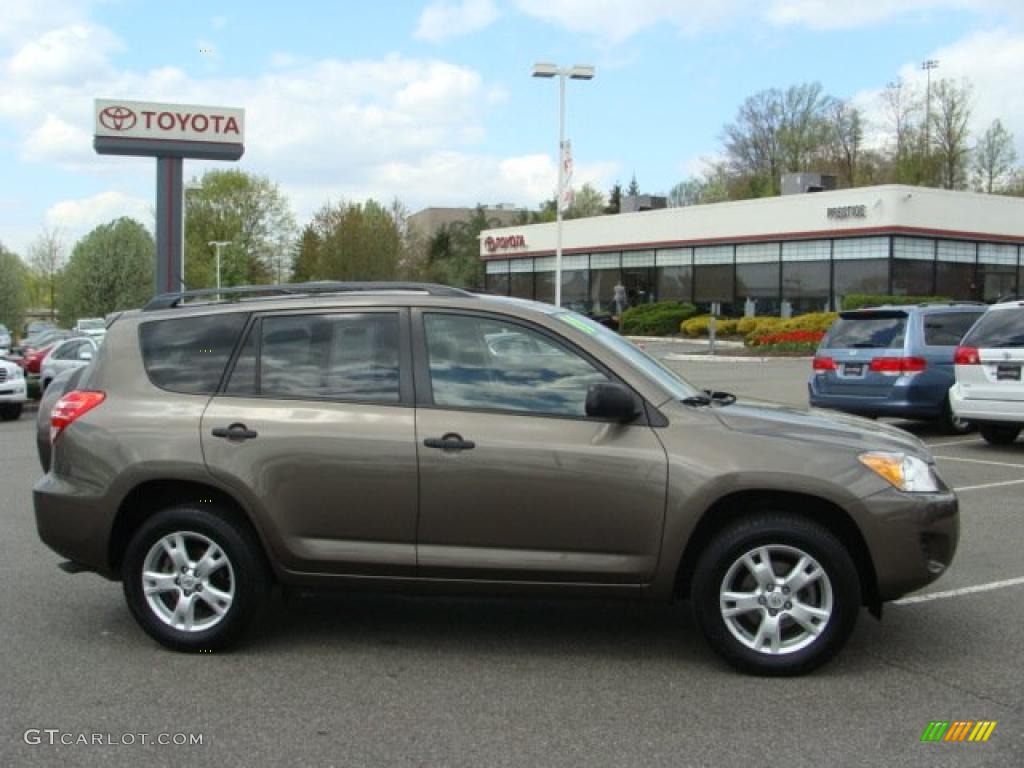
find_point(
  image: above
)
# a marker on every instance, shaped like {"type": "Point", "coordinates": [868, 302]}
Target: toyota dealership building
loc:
{"type": "Point", "coordinates": [795, 253]}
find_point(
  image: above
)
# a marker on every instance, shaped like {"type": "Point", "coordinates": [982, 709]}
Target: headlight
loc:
{"type": "Point", "coordinates": [19, 372]}
{"type": "Point", "coordinates": [908, 473]}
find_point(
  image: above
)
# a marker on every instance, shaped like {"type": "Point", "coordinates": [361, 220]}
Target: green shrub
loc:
{"type": "Point", "coordinates": [813, 321]}
{"type": "Point", "coordinates": [659, 319]}
{"type": "Point", "coordinates": [860, 300]}
{"type": "Point", "coordinates": [726, 327]}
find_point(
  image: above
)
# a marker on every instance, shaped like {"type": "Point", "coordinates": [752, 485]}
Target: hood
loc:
{"type": "Point", "coordinates": [818, 426]}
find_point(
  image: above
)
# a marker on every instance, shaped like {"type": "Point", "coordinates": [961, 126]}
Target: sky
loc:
{"type": "Point", "coordinates": [432, 102]}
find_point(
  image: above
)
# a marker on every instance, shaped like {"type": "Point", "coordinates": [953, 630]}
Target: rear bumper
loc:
{"type": "Point", "coordinates": [1007, 411]}
{"type": "Point", "coordinates": [900, 407]}
{"type": "Point", "coordinates": [69, 522]}
{"type": "Point", "coordinates": [912, 538]}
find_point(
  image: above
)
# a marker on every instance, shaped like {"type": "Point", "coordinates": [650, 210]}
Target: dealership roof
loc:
{"type": "Point", "coordinates": [890, 209]}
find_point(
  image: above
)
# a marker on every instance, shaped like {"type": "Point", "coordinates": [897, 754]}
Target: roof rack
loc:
{"type": "Point", "coordinates": [171, 300]}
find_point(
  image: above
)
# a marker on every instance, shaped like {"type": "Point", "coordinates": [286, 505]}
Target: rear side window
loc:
{"type": "Point", "coordinates": [867, 332]}
{"type": "Point", "coordinates": [189, 354]}
{"type": "Point", "coordinates": [352, 357]}
{"type": "Point", "coordinates": [998, 328]}
{"type": "Point", "coordinates": [945, 329]}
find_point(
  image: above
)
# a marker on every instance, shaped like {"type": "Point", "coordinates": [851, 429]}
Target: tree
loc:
{"type": "Point", "coordinates": [587, 201]}
{"type": "Point", "coordinates": [249, 211]}
{"type": "Point", "coordinates": [687, 192]}
{"type": "Point", "coordinates": [614, 199]}
{"type": "Point", "coordinates": [803, 126]}
{"type": "Point", "coordinates": [846, 135]}
{"type": "Point", "coordinates": [951, 114]}
{"type": "Point", "coordinates": [634, 189]}
{"type": "Point", "coordinates": [902, 106]}
{"type": "Point", "coordinates": [752, 143]}
{"type": "Point", "coordinates": [45, 259]}
{"type": "Point", "coordinates": [13, 290]}
{"type": "Point", "coordinates": [110, 268]}
{"type": "Point", "coordinates": [349, 241]}
{"type": "Point", "coordinates": [453, 253]}
{"type": "Point", "coordinates": [994, 157]}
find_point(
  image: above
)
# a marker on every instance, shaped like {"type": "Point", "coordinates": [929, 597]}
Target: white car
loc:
{"type": "Point", "coordinates": [5, 339]}
{"type": "Point", "coordinates": [989, 390]}
{"type": "Point", "coordinates": [76, 352]}
{"type": "Point", "coordinates": [93, 327]}
{"type": "Point", "coordinates": [13, 390]}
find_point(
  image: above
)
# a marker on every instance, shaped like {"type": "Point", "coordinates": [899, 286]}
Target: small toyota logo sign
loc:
{"type": "Point", "coordinates": [118, 118]}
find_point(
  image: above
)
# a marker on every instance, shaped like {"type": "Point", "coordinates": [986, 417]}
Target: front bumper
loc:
{"type": "Point", "coordinates": [912, 538]}
{"type": "Point", "coordinates": [13, 391]}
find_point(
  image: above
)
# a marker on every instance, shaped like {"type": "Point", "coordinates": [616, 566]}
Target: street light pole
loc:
{"type": "Point", "coordinates": [217, 245]}
{"type": "Point", "coordinates": [928, 66]}
{"type": "Point", "coordinates": [577, 72]}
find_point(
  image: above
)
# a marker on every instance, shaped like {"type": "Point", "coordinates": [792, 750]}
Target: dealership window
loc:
{"type": "Point", "coordinates": [521, 278]}
{"type": "Point", "coordinates": [638, 276]}
{"type": "Point", "coordinates": [954, 272]}
{"type": "Point", "coordinates": [674, 274]}
{"type": "Point", "coordinates": [913, 266]}
{"type": "Point", "coordinates": [496, 277]}
{"type": "Point", "coordinates": [861, 265]}
{"type": "Point", "coordinates": [997, 270]}
{"type": "Point", "coordinates": [805, 275]}
{"type": "Point", "coordinates": [757, 276]}
{"type": "Point", "coordinates": [713, 272]}
{"type": "Point", "coordinates": [605, 272]}
{"type": "Point", "coordinates": [576, 283]}
{"type": "Point", "coordinates": [544, 279]}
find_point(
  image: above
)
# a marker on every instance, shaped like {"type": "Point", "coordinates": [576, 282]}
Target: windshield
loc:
{"type": "Point", "coordinates": [868, 331]}
{"type": "Point", "coordinates": [96, 324]}
{"type": "Point", "coordinates": [672, 382]}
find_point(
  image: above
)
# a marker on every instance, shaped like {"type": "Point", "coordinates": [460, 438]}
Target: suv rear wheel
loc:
{"type": "Point", "coordinates": [999, 434]}
{"type": "Point", "coordinates": [194, 579]}
{"type": "Point", "coordinates": [776, 594]}
{"type": "Point", "coordinates": [10, 412]}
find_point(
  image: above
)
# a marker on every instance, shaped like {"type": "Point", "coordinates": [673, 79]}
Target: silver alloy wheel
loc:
{"type": "Point", "coordinates": [776, 599]}
{"type": "Point", "coordinates": [188, 581]}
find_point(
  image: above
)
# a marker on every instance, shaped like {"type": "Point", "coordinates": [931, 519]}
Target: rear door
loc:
{"type": "Point", "coordinates": [853, 342]}
{"type": "Point", "coordinates": [999, 339]}
{"type": "Point", "coordinates": [316, 427]}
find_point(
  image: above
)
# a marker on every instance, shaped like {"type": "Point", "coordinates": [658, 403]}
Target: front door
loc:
{"type": "Point", "coordinates": [315, 429]}
{"type": "Point", "coordinates": [516, 483]}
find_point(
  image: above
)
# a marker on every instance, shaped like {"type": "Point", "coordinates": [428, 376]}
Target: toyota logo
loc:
{"type": "Point", "coordinates": [117, 118]}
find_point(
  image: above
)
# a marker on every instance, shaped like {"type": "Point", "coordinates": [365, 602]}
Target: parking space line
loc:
{"type": "Point", "coordinates": [955, 442]}
{"type": "Point", "coordinates": [980, 461]}
{"type": "Point", "coordinates": [988, 485]}
{"type": "Point", "coordinates": [962, 591]}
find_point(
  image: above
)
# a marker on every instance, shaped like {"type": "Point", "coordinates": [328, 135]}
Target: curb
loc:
{"type": "Point", "coordinates": [729, 358]}
{"type": "Point", "coordinates": [690, 342]}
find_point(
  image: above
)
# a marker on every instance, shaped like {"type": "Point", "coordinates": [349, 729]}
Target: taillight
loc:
{"type": "Point", "coordinates": [967, 356]}
{"type": "Point", "coordinates": [824, 364]}
{"type": "Point", "coordinates": [895, 366]}
{"type": "Point", "coordinates": [72, 406]}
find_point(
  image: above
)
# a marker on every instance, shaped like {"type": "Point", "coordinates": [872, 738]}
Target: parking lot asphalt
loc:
{"type": "Point", "coordinates": [369, 680]}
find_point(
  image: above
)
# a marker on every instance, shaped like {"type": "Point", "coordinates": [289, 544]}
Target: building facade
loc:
{"type": "Point", "coordinates": [779, 255]}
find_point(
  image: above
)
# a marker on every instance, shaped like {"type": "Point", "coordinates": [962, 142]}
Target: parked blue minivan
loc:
{"type": "Point", "coordinates": [893, 361]}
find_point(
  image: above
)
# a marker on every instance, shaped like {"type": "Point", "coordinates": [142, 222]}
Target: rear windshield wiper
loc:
{"type": "Point", "coordinates": [709, 397]}
{"type": "Point", "coordinates": [865, 345]}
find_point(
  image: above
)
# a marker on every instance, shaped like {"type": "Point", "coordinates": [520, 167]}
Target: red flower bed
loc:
{"type": "Point", "coordinates": [789, 337]}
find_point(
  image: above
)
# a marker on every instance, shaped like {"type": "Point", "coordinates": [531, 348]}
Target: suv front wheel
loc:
{"type": "Point", "coordinates": [194, 579]}
{"type": "Point", "coordinates": [776, 594]}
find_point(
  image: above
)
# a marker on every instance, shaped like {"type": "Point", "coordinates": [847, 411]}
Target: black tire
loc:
{"type": "Point", "coordinates": [999, 434]}
{"type": "Point", "coordinates": [247, 568]}
{"type": "Point", "coordinates": [44, 384]}
{"type": "Point", "coordinates": [11, 412]}
{"type": "Point", "coordinates": [954, 425]}
{"type": "Point", "coordinates": [785, 532]}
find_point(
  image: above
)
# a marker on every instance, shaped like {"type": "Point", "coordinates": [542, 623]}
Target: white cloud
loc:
{"type": "Point", "coordinates": [614, 21]}
{"type": "Point", "coordinates": [69, 54]}
{"type": "Point", "coordinates": [76, 217]}
{"type": "Point", "coordinates": [992, 61]}
{"type": "Point", "coordinates": [445, 19]}
{"type": "Point", "coordinates": [219, 22]}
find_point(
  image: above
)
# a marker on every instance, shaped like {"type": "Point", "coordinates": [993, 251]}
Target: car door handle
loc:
{"type": "Point", "coordinates": [235, 432]}
{"type": "Point", "coordinates": [450, 442]}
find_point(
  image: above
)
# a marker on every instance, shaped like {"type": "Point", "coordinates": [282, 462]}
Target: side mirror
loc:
{"type": "Point", "coordinates": [608, 400]}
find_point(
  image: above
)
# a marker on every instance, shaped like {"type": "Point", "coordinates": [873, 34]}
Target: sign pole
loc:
{"type": "Point", "coordinates": [168, 224]}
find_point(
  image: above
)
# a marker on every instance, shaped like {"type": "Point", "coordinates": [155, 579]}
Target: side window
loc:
{"type": "Point", "coordinates": [998, 328]}
{"type": "Point", "coordinates": [347, 357]}
{"type": "Point", "coordinates": [243, 376]}
{"type": "Point", "coordinates": [485, 364]}
{"type": "Point", "coordinates": [69, 351]}
{"type": "Point", "coordinates": [945, 329]}
{"type": "Point", "coordinates": [189, 354]}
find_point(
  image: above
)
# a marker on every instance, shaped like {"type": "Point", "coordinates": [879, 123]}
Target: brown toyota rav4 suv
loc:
{"type": "Point", "coordinates": [423, 438]}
